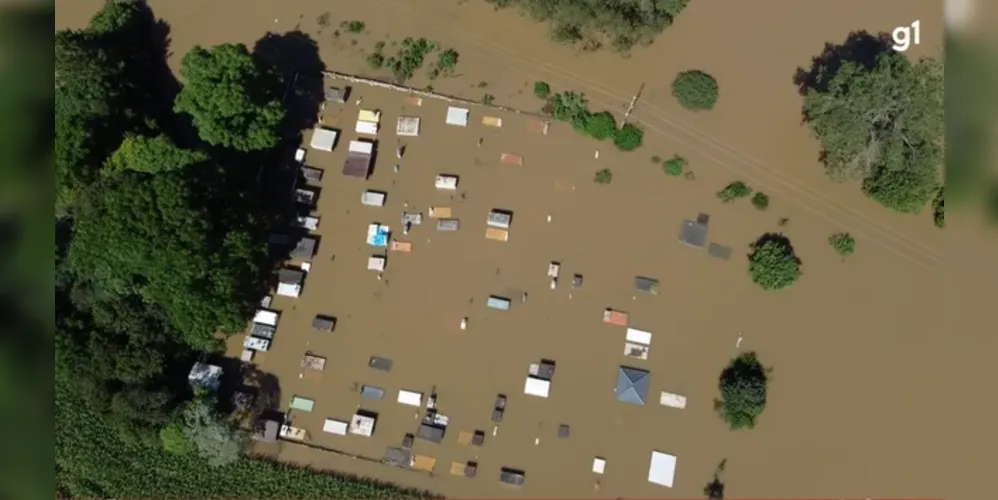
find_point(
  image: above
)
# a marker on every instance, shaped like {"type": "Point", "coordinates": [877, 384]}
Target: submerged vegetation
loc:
{"type": "Point", "coordinates": [572, 108]}
{"type": "Point", "coordinates": [743, 386]}
{"type": "Point", "coordinates": [619, 25]}
{"type": "Point", "coordinates": [695, 90]}
{"type": "Point", "coordinates": [773, 265]}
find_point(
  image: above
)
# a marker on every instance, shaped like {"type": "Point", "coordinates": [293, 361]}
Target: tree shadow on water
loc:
{"type": "Point", "coordinates": [714, 488]}
{"type": "Point", "coordinates": [290, 54]}
{"type": "Point", "coordinates": [777, 238]}
{"type": "Point", "coordinates": [859, 47]}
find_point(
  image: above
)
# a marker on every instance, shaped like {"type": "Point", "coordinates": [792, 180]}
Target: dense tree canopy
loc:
{"type": "Point", "coordinates": [695, 90]}
{"type": "Point", "coordinates": [151, 155]}
{"type": "Point", "coordinates": [743, 386]}
{"type": "Point", "coordinates": [773, 264]}
{"type": "Point", "coordinates": [145, 235]}
{"type": "Point", "coordinates": [621, 24]}
{"type": "Point", "coordinates": [230, 97]}
{"type": "Point", "coordinates": [881, 123]}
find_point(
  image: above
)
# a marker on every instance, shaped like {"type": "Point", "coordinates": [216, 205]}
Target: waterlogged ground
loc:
{"type": "Point", "coordinates": [853, 346]}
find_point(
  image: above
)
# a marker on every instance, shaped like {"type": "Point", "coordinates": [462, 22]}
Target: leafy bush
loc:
{"type": "Point", "coordinates": [604, 176]}
{"type": "Point", "coordinates": [628, 138]}
{"type": "Point", "coordinates": [760, 201]}
{"type": "Point", "coordinates": [695, 90]}
{"type": "Point", "coordinates": [743, 386]}
{"type": "Point", "coordinates": [376, 60]}
{"type": "Point", "coordinates": [879, 120]}
{"type": "Point", "coordinates": [601, 125]}
{"type": "Point", "coordinates": [172, 437]}
{"type": "Point", "coordinates": [354, 27]}
{"type": "Point", "coordinates": [487, 99]}
{"type": "Point", "coordinates": [410, 57]}
{"type": "Point", "coordinates": [734, 191]}
{"type": "Point", "coordinates": [675, 166]}
{"type": "Point", "coordinates": [542, 90]}
{"type": "Point", "coordinates": [622, 24]}
{"type": "Point", "coordinates": [843, 243]}
{"type": "Point", "coordinates": [773, 264]}
{"type": "Point", "coordinates": [939, 209]}
{"type": "Point", "coordinates": [447, 60]}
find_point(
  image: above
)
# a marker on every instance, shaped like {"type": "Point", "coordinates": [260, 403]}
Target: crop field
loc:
{"type": "Point", "coordinates": [847, 413]}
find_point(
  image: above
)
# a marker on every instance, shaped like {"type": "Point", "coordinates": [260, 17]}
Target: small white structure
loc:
{"type": "Point", "coordinates": [366, 128]}
{"type": "Point", "coordinates": [662, 469]}
{"type": "Point", "coordinates": [537, 387]}
{"type": "Point", "coordinates": [205, 376]}
{"type": "Point", "coordinates": [300, 155]}
{"type": "Point", "coordinates": [599, 465]}
{"type": "Point", "coordinates": [638, 336]}
{"type": "Point", "coordinates": [672, 400]}
{"type": "Point", "coordinates": [246, 356]}
{"type": "Point", "coordinates": [334, 426]}
{"type": "Point", "coordinates": [289, 289]}
{"type": "Point", "coordinates": [266, 317]}
{"type": "Point", "coordinates": [376, 263]}
{"type": "Point", "coordinates": [361, 147]}
{"type": "Point", "coordinates": [457, 116]}
{"type": "Point", "coordinates": [464, 323]}
{"type": "Point", "coordinates": [323, 138]}
{"type": "Point", "coordinates": [256, 344]}
{"type": "Point", "coordinates": [445, 181]}
{"type": "Point", "coordinates": [411, 398]}
{"type": "Point", "coordinates": [362, 425]}
{"type": "Point", "coordinates": [308, 222]}
{"type": "Point", "coordinates": [373, 198]}
{"type": "Point", "coordinates": [408, 126]}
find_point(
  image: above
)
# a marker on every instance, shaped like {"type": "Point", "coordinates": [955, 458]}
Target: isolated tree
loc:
{"type": "Point", "coordinates": [214, 439]}
{"type": "Point", "coordinates": [628, 138]}
{"type": "Point", "coordinates": [880, 122]}
{"type": "Point", "coordinates": [695, 90]}
{"type": "Point", "coordinates": [843, 243]}
{"type": "Point", "coordinates": [773, 264]}
{"type": "Point", "coordinates": [743, 386]}
{"type": "Point", "coordinates": [151, 155]}
{"type": "Point", "coordinates": [232, 100]}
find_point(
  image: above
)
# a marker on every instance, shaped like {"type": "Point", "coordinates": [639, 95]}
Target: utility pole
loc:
{"type": "Point", "coordinates": [634, 100]}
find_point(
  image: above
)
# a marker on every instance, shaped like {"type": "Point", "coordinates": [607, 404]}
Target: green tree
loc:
{"type": "Point", "coordinates": [233, 102]}
{"type": "Point", "coordinates": [760, 201]}
{"type": "Point", "coordinates": [447, 61]}
{"type": "Point", "coordinates": [542, 90]}
{"type": "Point", "coordinates": [143, 235]}
{"type": "Point", "coordinates": [880, 122]}
{"type": "Point", "coordinates": [115, 16]}
{"type": "Point", "coordinates": [843, 243]}
{"type": "Point", "coordinates": [571, 107]}
{"type": "Point", "coordinates": [150, 155]}
{"type": "Point", "coordinates": [603, 176]}
{"type": "Point", "coordinates": [695, 90]}
{"type": "Point", "coordinates": [939, 208]}
{"type": "Point", "coordinates": [215, 439]}
{"type": "Point", "coordinates": [594, 24]}
{"type": "Point", "coordinates": [743, 386]}
{"type": "Point", "coordinates": [773, 265]}
{"type": "Point", "coordinates": [675, 166]}
{"type": "Point", "coordinates": [628, 138]}
{"type": "Point", "coordinates": [174, 441]}
{"type": "Point", "coordinates": [734, 191]}
{"type": "Point", "coordinates": [601, 125]}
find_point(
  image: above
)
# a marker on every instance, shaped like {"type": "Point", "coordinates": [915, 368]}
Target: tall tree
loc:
{"type": "Point", "coordinates": [232, 100]}
{"type": "Point", "coordinates": [215, 439]}
{"type": "Point", "coordinates": [881, 122]}
{"type": "Point", "coordinates": [151, 155]}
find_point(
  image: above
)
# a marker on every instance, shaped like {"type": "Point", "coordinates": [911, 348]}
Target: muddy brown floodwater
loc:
{"type": "Point", "coordinates": [853, 345]}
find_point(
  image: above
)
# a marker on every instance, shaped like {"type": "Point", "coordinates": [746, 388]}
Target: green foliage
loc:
{"type": "Point", "coordinates": [150, 155]}
{"type": "Point", "coordinates": [376, 60]}
{"type": "Point", "coordinates": [675, 166]}
{"type": "Point", "coordinates": [571, 107]}
{"type": "Point", "coordinates": [482, 84]}
{"type": "Point", "coordinates": [172, 437]}
{"type": "Point", "coordinates": [216, 440]}
{"type": "Point", "coordinates": [354, 27]}
{"type": "Point", "coordinates": [743, 386]}
{"type": "Point", "coordinates": [601, 125]}
{"type": "Point", "coordinates": [92, 461]}
{"type": "Point", "coordinates": [409, 58]}
{"type": "Point", "coordinates": [628, 138]}
{"type": "Point", "coordinates": [447, 61]}
{"type": "Point", "coordinates": [604, 176]}
{"type": "Point", "coordinates": [621, 24]}
{"type": "Point", "coordinates": [939, 208]}
{"type": "Point", "coordinates": [542, 90]}
{"type": "Point", "coordinates": [115, 16]}
{"type": "Point", "coordinates": [734, 191]}
{"type": "Point", "coordinates": [760, 201]}
{"type": "Point", "coordinates": [695, 90]}
{"type": "Point", "coordinates": [843, 243]}
{"type": "Point", "coordinates": [487, 99]}
{"type": "Point", "coordinates": [146, 236]}
{"type": "Point", "coordinates": [323, 20]}
{"type": "Point", "coordinates": [233, 102]}
{"type": "Point", "coordinates": [882, 124]}
{"type": "Point", "coordinates": [772, 264]}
